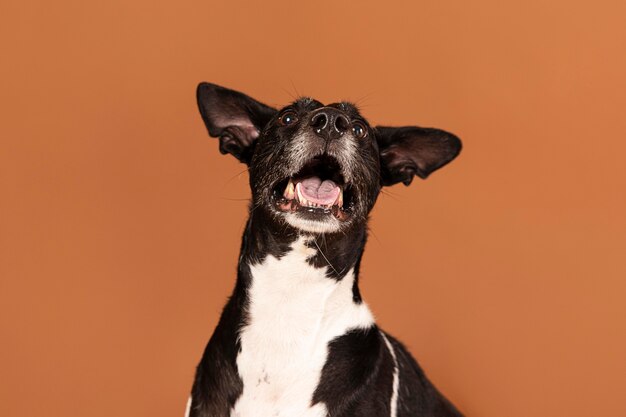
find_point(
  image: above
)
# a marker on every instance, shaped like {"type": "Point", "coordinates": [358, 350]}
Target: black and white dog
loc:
{"type": "Point", "coordinates": [295, 338]}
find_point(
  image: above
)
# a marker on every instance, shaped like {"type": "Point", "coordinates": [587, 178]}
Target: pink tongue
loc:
{"type": "Point", "coordinates": [318, 192]}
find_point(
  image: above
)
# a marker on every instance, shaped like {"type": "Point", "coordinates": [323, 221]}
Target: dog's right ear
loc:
{"type": "Point", "coordinates": [234, 118]}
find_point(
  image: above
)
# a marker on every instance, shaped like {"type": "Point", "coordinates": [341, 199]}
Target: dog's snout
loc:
{"type": "Point", "coordinates": [329, 123]}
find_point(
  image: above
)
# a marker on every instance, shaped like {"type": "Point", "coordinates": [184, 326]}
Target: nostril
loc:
{"type": "Point", "coordinates": [341, 123]}
{"type": "Point", "coordinates": [319, 121]}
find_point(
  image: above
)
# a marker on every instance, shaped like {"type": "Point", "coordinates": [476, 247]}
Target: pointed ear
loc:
{"type": "Point", "coordinates": [234, 118]}
{"type": "Point", "coordinates": [411, 150]}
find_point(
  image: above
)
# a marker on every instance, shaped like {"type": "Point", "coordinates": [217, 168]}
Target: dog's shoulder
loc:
{"type": "Point", "coordinates": [415, 392]}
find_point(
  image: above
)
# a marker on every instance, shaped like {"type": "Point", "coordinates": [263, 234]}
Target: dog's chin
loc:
{"type": "Point", "coordinates": [316, 198]}
{"type": "Point", "coordinates": [328, 224]}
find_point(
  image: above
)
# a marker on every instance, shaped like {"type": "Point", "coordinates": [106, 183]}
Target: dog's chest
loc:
{"type": "Point", "coordinates": [294, 312]}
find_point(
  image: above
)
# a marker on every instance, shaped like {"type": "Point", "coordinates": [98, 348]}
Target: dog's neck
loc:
{"type": "Point", "coordinates": [338, 254]}
{"type": "Point", "coordinates": [295, 294]}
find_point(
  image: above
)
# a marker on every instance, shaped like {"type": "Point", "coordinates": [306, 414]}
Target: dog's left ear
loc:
{"type": "Point", "coordinates": [411, 150]}
{"type": "Point", "coordinates": [234, 118]}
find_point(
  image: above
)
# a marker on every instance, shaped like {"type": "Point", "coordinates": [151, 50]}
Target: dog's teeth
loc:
{"type": "Point", "coordinates": [299, 196]}
{"type": "Point", "coordinates": [289, 191]}
{"type": "Point", "coordinates": [339, 201]}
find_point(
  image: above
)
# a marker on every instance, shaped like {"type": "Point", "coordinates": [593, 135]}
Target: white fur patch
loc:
{"type": "Point", "coordinates": [294, 312]}
{"type": "Point", "coordinates": [328, 225]}
{"type": "Point", "coordinates": [396, 378]}
{"type": "Point", "coordinates": [188, 408]}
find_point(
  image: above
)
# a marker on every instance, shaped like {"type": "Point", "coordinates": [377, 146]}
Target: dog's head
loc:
{"type": "Point", "coordinates": [319, 167]}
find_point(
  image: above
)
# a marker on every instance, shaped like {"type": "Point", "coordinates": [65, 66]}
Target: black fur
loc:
{"type": "Point", "coordinates": [416, 395]}
{"type": "Point", "coordinates": [357, 378]}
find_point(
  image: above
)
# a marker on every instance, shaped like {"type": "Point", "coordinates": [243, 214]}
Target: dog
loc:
{"type": "Point", "coordinates": [296, 339]}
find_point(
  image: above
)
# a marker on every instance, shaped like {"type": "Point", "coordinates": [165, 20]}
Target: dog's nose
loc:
{"type": "Point", "coordinates": [329, 123]}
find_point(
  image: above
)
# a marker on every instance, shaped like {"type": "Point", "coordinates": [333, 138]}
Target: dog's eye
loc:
{"type": "Point", "coordinates": [359, 130]}
{"type": "Point", "coordinates": [288, 118]}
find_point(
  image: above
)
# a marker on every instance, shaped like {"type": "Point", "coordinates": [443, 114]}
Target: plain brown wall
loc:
{"type": "Point", "coordinates": [120, 222]}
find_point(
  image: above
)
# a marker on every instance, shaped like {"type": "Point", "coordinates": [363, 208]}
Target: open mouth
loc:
{"type": "Point", "coordinates": [317, 190]}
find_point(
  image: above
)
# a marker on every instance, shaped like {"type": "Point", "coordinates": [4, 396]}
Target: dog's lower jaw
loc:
{"type": "Point", "coordinates": [330, 224]}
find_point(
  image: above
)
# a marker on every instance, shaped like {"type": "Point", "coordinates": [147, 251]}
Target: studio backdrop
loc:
{"type": "Point", "coordinates": [120, 222]}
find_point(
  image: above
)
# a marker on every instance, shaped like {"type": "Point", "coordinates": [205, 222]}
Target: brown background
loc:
{"type": "Point", "coordinates": [120, 222]}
